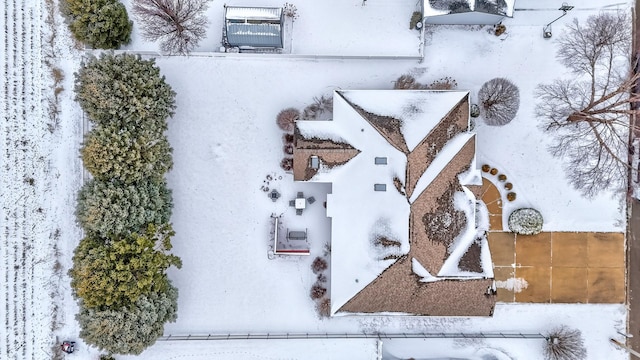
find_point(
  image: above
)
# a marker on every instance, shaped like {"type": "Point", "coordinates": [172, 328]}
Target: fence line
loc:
{"type": "Point", "coordinates": [271, 56]}
{"type": "Point", "coordinates": [379, 336]}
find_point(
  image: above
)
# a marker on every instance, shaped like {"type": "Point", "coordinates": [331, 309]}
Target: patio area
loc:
{"type": "Point", "coordinates": [559, 267]}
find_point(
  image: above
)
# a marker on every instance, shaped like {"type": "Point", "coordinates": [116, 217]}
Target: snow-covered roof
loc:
{"type": "Point", "coordinates": [253, 26]}
{"type": "Point", "coordinates": [467, 11]}
{"type": "Point", "coordinates": [253, 13]}
{"type": "Point", "coordinates": [369, 205]}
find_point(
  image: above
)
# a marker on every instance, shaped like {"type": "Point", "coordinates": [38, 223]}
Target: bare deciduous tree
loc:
{"type": "Point", "coordinates": [178, 24]}
{"type": "Point", "coordinates": [564, 343]}
{"type": "Point", "coordinates": [499, 101]}
{"type": "Point", "coordinates": [588, 114]}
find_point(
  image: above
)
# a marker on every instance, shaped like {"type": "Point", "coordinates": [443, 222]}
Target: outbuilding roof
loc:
{"type": "Point", "coordinates": [254, 26]}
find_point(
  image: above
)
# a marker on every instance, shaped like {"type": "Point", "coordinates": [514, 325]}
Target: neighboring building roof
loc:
{"type": "Point", "coordinates": [467, 11]}
{"type": "Point", "coordinates": [396, 159]}
{"type": "Point", "coordinates": [254, 26]}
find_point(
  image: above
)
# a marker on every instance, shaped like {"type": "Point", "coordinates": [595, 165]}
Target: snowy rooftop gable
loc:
{"type": "Point", "coordinates": [380, 131]}
{"type": "Point", "coordinates": [469, 12]}
{"type": "Point", "coordinates": [369, 227]}
{"type": "Point", "coordinates": [254, 26]}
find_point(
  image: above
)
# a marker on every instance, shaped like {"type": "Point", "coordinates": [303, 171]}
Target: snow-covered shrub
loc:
{"type": "Point", "coordinates": [321, 109]}
{"type": "Point", "coordinates": [406, 82]}
{"type": "Point", "coordinates": [499, 101]}
{"type": "Point", "coordinates": [323, 306]}
{"type": "Point", "coordinates": [291, 11]}
{"type": "Point", "coordinates": [110, 153]}
{"type": "Point", "coordinates": [288, 149]}
{"type": "Point", "coordinates": [317, 291]}
{"type": "Point", "coordinates": [101, 24]}
{"type": "Point", "coordinates": [526, 221]}
{"type": "Point", "coordinates": [511, 196]}
{"type": "Point", "coordinates": [124, 90]}
{"type": "Point", "coordinates": [446, 83]}
{"type": "Point", "coordinates": [108, 207]}
{"type": "Point", "coordinates": [131, 329]}
{"type": "Point", "coordinates": [319, 265]}
{"type": "Point", "coordinates": [564, 343]}
{"type": "Point", "coordinates": [286, 118]}
{"type": "Point", "coordinates": [287, 138]}
{"type": "Point", "coordinates": [286, 164]}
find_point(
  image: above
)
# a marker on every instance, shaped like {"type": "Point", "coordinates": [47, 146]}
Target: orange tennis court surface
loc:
{"type": "Point", "coordinates": [559, 267]}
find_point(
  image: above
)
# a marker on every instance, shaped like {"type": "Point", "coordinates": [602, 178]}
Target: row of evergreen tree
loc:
{"type": "Point", "coordinates": [100, 24]}
{"type": "Point", "coordinates": [119, 267]}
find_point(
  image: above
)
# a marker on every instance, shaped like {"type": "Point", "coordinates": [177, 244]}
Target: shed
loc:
{"type": "Point", "coordinates": [467, 12]}
{"type": "Point", "coordinates": [253, 27]}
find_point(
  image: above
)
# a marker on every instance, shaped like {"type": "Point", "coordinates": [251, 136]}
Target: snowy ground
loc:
{"type": "Point", "coordinates": [363, 29]}
{"type": "Point", "coordinates": [226, 143]}
{"type": "Point", "coordinates": [40, 175]}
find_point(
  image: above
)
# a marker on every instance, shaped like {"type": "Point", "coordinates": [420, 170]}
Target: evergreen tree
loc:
{"type": "Point", "coordinates": [112, 153]}
{"type": "Point", "coordinates": [126, 90]}
{"type": "Point", "coordinates": [101, 24]}
{"type": "Point", "coordinates": [129, 330]}
{"type": "Point", "coordinates": [112, 207]}
{"type": "Point", "coordinates": [118, 271]}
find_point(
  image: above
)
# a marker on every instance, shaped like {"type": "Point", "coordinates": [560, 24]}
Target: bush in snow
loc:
{"type": "Point", "coordinates": [323, 306]}
{"type": "Point", "coordinates": [111, 207]}
{"type": "Point", "coordinates": [286, 119]}
{"type": "Point", "coordinates": [286, 164]}
{"type": "Point", "coordinates": [499, 100]}
{"type": "Point", "coordinates": [526, 221]}
{"type": "Point", "coordinates": [129, 329]}
{"type": "Point", "coordinates": [564, 343]}
{"type": "Point", "coordinates": [321, 109]}
{"type": "Point", "coordinates": [101, 24]}
{"type": "Point", "coordinates": [319, 265]}
{"type": "Point", "coordinates": [446, 83]}
{"type": "Point", "coordinates": [116, 272]}
{"type": "Point", "coordinates": [317, 291]}
{"type": "Point", "coordinates": [110, 153]}
{"type": "Point", "coordinates": [407, 82]}
{"type": "Point", "coordinates": [125, 90]}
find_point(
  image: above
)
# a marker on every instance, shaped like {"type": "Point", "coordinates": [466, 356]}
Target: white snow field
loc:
{"type": "Point", "coordinates": [40, 174]}
{"type": "Point", "coordinates": [225, 145]}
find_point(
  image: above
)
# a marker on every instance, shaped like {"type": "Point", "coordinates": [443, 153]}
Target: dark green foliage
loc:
{"type": "Point", "coordinates": [110, 153]}
{"type": "Point", "coordinates": [125, 90]}
{"type": "Point", "coordinates": [112, 207]}
{"type": "Point", "coordinates": [129, 330]}
{"type": "Point", "coordinates": [101, 24]}
{"type": "Point", "coordinates": [118, 271]}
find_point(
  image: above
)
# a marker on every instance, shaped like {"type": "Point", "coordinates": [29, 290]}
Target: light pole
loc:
{"type": "Point", "coordinates": [546, 31]}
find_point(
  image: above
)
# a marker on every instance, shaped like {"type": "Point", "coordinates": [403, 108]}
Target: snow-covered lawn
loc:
{"type": "Point", "coordinates": [519, 149]}
{"type": "Point", "coordinates": [328, 27]}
